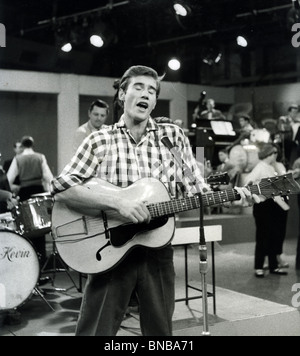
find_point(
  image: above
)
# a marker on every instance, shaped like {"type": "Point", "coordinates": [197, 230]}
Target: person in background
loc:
{"type": "Point", "coordinates": [245, 125]}
{"type": "Point", "coordinates": [6, 194]}
{"type": "Point", "coordinates": [270, 215]}
{"type": "Point", "coordinates": [35, 178]}
{"type": "Point", "coordinates": [296, 174]}
{"type": "Point", "coordinates": [8, 200]}
{"type": "Point", "coordinates": [226, 166]}
{"type": "Point", "coordinates": [7, 203]}
{"type": "Point", "coordinates": [33, 171]}
{"type": "Point", "coordinates": [288, 127]}
{"type": "Point", "coordinates": [98, 114]}
{"type": "Point", "coordinates": [244, 132]}
{"type": "Point", "coordinates": [136, 141]}
{"type": "Point", "coordinates": [18, 149]}
{"type": "Point", "coordinates": [211, 113]}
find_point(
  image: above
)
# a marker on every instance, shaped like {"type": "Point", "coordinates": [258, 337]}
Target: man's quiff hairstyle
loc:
{"type": "Point", "coordinates": [100, 104]}
{"type": "Point", "coordinates": [137, 71]}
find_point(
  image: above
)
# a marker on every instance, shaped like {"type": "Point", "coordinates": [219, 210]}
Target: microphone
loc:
{"type": "Point", "coordinates": [166, 141]}
{"type": "Point", "coordinates": [186, 170]}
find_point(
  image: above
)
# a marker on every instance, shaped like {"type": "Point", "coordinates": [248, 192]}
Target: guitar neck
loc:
{"type": "Point", "coordinates": [209, 199]}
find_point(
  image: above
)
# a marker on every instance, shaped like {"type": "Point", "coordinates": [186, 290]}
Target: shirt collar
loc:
{"type": "Point", "coordinates": [91, 127]}
{"type": "Point", "coordinates": [151, 125]}
{"type": "Point", "coordinates": [28, 151]}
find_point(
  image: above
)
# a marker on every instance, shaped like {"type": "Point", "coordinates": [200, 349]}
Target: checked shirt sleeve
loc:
{"type": "Point", "coordinates": [82, 166]}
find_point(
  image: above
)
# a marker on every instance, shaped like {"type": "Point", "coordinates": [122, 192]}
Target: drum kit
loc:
{"type": "Point", "coordinates": [245, 155]}
{"type": "Point", "coordinates": [19, 263]}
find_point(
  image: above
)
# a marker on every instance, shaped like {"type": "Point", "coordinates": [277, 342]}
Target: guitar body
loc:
{"type": "Point", "coordinates": [94, 242]}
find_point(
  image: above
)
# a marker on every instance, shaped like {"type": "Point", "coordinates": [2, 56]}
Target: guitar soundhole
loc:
{"type": "Point", "coordinates": [121, 235]}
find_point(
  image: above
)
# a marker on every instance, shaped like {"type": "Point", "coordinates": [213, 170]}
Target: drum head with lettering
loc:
{"type": "Point", "coordinates": [19, 270]}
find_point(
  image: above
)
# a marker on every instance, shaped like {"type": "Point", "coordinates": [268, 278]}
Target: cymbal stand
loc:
{"type": "Point", "coordinates": [40, 294]}
{"type": "Point", "coordinates": [54, 256]}
{"type": "Point", "coordinates": [284, 159]}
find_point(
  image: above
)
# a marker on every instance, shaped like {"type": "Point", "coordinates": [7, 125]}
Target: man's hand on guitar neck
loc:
{"type": "Point", "coordinates": [247, 198]}
{"type": "Point", "coordinates": [135, 211]}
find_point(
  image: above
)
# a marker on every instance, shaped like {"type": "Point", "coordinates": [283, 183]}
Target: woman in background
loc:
{"type": "Point", "coordinates": [270, 215]}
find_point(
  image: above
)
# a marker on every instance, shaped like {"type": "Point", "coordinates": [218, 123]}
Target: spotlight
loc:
{"type": "Point", "coordinates": [241, 41]}
{"type": "Point", "coordinates": [181, 9]}
{"type": "Point", "coordinates": [102, 33]}
{"type": "Point", "coordinates": [218, 58]}
{"type": "Point", "coordinates": [97, 41]}
{"type": "Point", "coordinates": [67, 47]}
{"type": "Point", "coordinates": [174, 64]}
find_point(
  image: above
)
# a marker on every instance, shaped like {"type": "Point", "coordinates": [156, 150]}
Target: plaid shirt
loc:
{"type": "Point", "coordinates": [113, 155]}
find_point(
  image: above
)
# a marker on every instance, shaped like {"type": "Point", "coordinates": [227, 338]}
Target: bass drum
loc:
{"type": "Point", "coordinates": [19, 270]}
{"type": "Point", "coordinates": [245, 157]}
{"type": "Point", "coordinates": [238, 157]}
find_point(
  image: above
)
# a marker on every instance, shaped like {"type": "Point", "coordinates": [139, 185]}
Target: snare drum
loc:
{"type": "Point", "coordinates": [19, 269]}
{"type": "Point", "coordinates": [33, 216]}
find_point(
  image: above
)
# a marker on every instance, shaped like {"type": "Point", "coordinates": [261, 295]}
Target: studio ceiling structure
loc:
{"type": "Point", "coordinates": [151, 32]}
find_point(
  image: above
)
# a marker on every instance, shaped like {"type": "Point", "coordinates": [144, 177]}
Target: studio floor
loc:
{"type": "Point", "coordinates": [245, 305]}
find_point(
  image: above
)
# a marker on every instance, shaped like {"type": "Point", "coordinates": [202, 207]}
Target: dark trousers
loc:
{"type": "Point", "coordinates": [151, 274]}
{"type": "Point", "coordinates": [25, 193]}
{"type": "Point", "coordinates": [270, 222]}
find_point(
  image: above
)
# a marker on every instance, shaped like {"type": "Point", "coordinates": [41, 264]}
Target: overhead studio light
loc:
{"type": "Point", "coordinates": [67, 47]}
{"type": "Point", "coordinates": [241, 41]}
{"type": "Point", "coordinates": [212, 56]}
{"type": "Point", "coordinates": [174, 64]}
{"type": "Point", "coordinates": [97, 41]}
{"type": "Point", "coordinates": [102, 33]}
{"type": "Point", "coordinates": [181, 9]}
{"type": "Point", "coordinates": [218, 58]}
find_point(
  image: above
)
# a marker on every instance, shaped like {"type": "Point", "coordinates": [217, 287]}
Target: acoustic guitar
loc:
{"type": "Point", "coordinates": [96, 241]}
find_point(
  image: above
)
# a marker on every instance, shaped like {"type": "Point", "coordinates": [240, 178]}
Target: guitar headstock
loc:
{"type": "Point", "coordinates": [218, 179]}
{"type": "Point", "coordinates": [283, 186]}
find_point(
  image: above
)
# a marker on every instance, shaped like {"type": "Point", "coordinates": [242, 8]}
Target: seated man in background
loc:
{"type": "Point", "coordinates": [211, 113]}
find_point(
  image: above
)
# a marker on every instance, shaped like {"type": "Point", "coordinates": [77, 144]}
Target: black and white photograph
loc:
{"type": "Point", "coordinates": [149, 170]}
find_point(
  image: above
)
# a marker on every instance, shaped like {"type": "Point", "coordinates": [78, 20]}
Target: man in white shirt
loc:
{"type": "Point", "coordinates": [98, 114]}
{"type": "Point", "coordinates": [288, 127]}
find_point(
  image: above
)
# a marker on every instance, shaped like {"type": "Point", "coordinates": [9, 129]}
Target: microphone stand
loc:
{"type": "Point", "coordinates": [203, 266]}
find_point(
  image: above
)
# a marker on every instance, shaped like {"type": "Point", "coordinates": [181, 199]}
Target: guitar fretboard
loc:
{"type": "Point", "coordinates": [209, 199]}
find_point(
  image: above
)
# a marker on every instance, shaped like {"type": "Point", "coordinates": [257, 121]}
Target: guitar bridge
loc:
{"type": "Point", "coordinates": [105, 224]}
